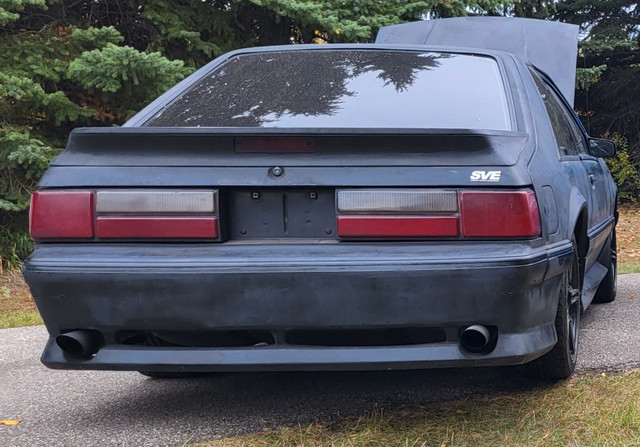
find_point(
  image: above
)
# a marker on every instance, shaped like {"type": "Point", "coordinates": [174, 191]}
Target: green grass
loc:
{"type": "Point", "coordinates": [16, 305]}
{"type": "Point", "coordinates": [629, 267]}
{"type": "Point", "coordinates": [19, 319]}
{"type": "Point", "coordinates": [628, 239]}
{"type": "Point", "coordinates": [598, 410]}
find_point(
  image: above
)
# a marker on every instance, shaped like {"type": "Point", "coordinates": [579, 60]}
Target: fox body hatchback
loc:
{"type": "Point", "coordinates": [395, 205]}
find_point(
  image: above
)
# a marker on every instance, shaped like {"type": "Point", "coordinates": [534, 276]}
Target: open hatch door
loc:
{"type": "Point", "coordinates": [550, 46]}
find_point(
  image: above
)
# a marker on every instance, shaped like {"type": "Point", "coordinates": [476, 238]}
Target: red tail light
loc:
{"type": "Point", "coordinates": [61, 215]}
{"type": "Point", "coordinates": [499, 214]}
{"type": "Point", "coordinates": [157, 214]}
{"type": "Point", "coordinates": [274, 145]}
{"type": "Point", "coordinates": [397, 214]}
{"type": "Point", "coordinates": [397, 226]}
{"type": "Point", "coordinates": [157, 227]}
{"type": "Point", "coordinates": [124, 214]}
{"type": "Point", "coordinates": [422, 213]}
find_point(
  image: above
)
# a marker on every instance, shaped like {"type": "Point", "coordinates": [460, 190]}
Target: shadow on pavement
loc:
{"type": "Point", "coordinates": [239, 403]}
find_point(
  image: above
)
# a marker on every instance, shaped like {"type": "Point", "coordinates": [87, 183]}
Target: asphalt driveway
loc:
{"type": "Point", "coordinates": [78, 408]}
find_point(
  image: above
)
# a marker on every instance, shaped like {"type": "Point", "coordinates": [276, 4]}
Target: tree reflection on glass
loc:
{"type": "Point", "coordinates": [255, 90]}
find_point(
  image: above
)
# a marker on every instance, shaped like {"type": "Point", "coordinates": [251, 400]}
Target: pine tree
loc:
{"type": "Point", "coordinates": [54, 76]}
{"type": "Point", "coordinates": [68, 63]}
{"type": "Point", "coordinates": [608, 95]}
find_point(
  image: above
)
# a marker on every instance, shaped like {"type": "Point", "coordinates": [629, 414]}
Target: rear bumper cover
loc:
{"type": "Point", "coordinates": [206, 287]}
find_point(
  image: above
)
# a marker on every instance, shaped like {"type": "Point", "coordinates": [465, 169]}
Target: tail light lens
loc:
{"type": "Point", "coordinates": [416, 201]}
{"type": "Point", "coordinates": [499, 214]}
{"type": "Point", "coordinates": [157, 227]}
{"type": "Point", "coordinates": [416, 213]}
{"type": "Point", "coordinates": [397, 214]}
{"type": "Point", "coordinates": [61, 215]}
{"type": "Point", "coordinates": [397, 226]}
{"type": "Point", "coordinates": [157, 214]}
{"type": "Point", "coordinates": [124, 214]}
{"type": "Point", "coordinates": [156, 202]}
{"type": "Point", "coordinates": [274, 145]}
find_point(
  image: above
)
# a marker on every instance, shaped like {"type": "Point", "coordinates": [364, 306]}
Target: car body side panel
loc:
{"type": "Point", "coordinates": [600, 189]}
{"type": "Point", "coordinates": [569, 180]}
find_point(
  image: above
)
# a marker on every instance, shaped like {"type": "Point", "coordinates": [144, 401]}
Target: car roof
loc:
{"type": "Point", "coordinates": [550, 46]}
{"type": "Point", "coordinates": [391, 46]}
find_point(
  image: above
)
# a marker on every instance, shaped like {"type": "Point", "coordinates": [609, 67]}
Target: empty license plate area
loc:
{"type": "Point", "coordinates": [291, 213]}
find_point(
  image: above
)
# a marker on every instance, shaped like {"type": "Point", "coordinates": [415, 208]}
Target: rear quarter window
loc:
{"type": "Point", "coordinates": [345, 89]}
{"type": "Point", "coordinates": [568, 136]}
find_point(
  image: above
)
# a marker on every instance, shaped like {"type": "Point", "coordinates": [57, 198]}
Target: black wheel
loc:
{"type": "Point", "coordinates": [608, 287]}
{"type": "Point", "coordinates": [152, 340]}
{"type": "Point", "coordinates": [560, 362]}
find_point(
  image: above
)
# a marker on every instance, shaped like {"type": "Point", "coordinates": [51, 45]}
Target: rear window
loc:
{"type": "Point", "coordinates": [345, 88]}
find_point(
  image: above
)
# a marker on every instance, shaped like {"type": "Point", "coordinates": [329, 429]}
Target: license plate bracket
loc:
{"type": "Point", "coordinates": [290, 213]}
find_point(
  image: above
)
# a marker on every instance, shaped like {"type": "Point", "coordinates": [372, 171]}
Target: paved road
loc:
{"type": "Point", "coordinates": [71, 408]}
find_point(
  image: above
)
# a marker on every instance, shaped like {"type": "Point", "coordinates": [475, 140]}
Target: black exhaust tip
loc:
{"type": "Point", "coordinates": [476, 338]}
{"type": "Point", "coordinates": [80, 343]}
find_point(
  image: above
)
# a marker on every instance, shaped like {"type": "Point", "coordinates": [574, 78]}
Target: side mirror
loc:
{"type": "Point", "coordinates": [602, 148]}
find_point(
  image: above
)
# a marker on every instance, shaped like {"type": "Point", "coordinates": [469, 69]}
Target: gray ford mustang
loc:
{"type": "Point", "coordinates": [430, 200]}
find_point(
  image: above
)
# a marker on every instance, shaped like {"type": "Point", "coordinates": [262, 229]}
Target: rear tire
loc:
{"type": "Point", "coordinates": [560, 362]}
{"type": "Point", "coordinates": [608, 287]}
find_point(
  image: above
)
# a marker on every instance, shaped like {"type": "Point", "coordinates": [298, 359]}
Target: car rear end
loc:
{"type": "Point", "coordinates": [354, 208]}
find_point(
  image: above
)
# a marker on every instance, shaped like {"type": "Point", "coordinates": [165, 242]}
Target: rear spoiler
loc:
{"type": "Point", "coordinates": [186, 146]}
{"type": "Point", "coordinates": [80, 132]}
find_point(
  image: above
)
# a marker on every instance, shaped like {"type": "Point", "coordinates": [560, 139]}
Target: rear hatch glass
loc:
{"type": "Point", "coordinates": [345, 89]}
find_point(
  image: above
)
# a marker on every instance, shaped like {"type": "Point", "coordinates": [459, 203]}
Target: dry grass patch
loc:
{"type": "Point", "coordinates": [629, 239]}
{"type": "Point", "coordinates": [598, 410]}
{"type": "Point", "coordinates": [16, 305]}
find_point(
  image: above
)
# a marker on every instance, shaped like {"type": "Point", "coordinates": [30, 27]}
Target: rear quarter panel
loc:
{"type": "Point", "coordinates": [564, 202]}
{"type": "Point", "coordinates": [559, 185]}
